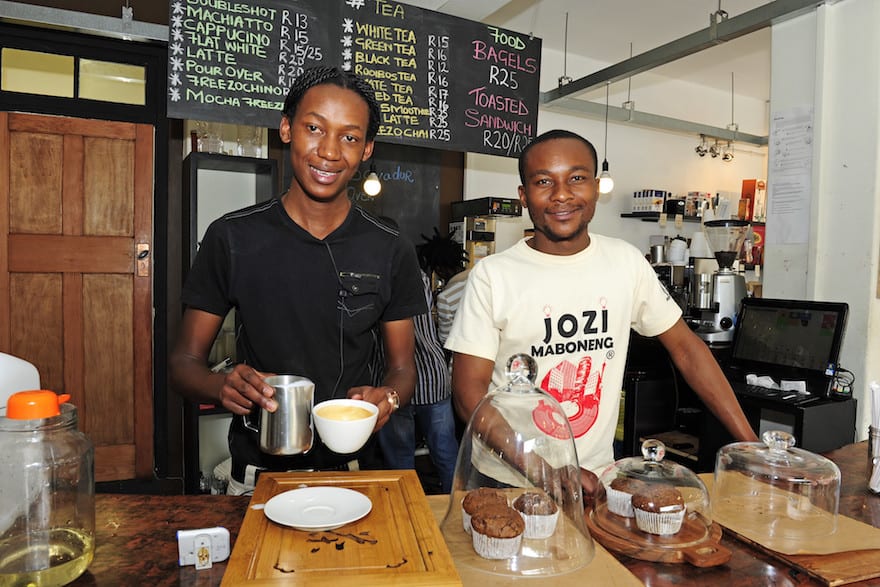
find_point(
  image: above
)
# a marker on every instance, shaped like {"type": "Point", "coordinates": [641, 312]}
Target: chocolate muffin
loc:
{"type": "Point", "coordinates": [497, 531]}
{"type": "Point", "coordinates": [619, 495]}
{"type": "Point", "coordinates": [539, 512]}
{"type": "Point", "coordinates": [659, 510]}
{"type": "Point", "coordinates": [477, 499]}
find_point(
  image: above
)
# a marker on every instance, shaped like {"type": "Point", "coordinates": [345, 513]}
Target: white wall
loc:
{"type": "Point", "coordinates": [830, 60]}
{"type": "Point", "coordinates": [794, 49]}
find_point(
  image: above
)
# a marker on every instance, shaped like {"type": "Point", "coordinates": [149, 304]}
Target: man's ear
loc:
{"type": "Point", "coordinates": [522, 196]}
{"type": "Point", "coordinates": [368, 150]}
{"type": "Point", "coordinates": [284, 130]}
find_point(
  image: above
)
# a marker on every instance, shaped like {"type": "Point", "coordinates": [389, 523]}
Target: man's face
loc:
{"type": "Point", "coordinates": [327, 137]}
{"type": "Point", "coordinates": [560, 193]}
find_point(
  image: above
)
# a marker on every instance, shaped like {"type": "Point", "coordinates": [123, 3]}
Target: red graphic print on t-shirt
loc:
{"type": "Point", "coordinates": [578, 389]}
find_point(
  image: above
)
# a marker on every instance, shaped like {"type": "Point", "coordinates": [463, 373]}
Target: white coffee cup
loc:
{"type": "Point", "coordinates": [345, 425]}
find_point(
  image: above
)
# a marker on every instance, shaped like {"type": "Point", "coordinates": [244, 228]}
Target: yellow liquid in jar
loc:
{"type": "Point", "coordinates": [67, 554]}
{"type": "Point", "coordinates": [345, 413]}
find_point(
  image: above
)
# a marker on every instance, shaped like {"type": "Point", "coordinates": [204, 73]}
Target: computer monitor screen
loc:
{"type": "Point", "coordinates": [790, 335]}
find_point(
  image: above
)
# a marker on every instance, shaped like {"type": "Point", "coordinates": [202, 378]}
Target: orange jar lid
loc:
{"type": "Point", "coordinates": [35, 404]}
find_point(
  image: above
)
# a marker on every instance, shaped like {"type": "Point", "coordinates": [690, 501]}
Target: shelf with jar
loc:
{"type": "Point", "coordinates": [655, 217]}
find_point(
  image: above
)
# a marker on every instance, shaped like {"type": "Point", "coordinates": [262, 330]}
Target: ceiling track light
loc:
{"type": "Point", "coordinates": [733, 126]}
{"type": "Point", "coordinates": [606, 182]}
{"type": "Point", "coordinates": [372, 184]}
{"type": "Point", "coordinates": [728, 152]}
{"type": "Point", "coordinates": [716, 150]}
{"type": "Point", "coordinates": [703, 147]}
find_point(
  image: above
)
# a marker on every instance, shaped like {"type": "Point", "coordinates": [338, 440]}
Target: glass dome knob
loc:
{"type": "Point", "coordinates": [653, 450]}
{"type": "Point", "coordinates": [522, 369]}
{"type": "Point", "coordinates": [778, 440]}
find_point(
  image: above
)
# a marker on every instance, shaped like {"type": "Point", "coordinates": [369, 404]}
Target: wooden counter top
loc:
{"type": "Point", "coordinates": [137, 541]}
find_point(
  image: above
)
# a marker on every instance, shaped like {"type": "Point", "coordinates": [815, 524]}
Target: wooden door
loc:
{"type": "Point", "coordinates": [75, 273]}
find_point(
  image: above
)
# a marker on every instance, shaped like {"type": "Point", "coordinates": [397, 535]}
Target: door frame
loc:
{"type": "Point", "coordinates": [167, 438]}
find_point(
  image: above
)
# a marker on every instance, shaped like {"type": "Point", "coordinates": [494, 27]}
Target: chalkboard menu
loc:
{"type": "Point", "coordinates": [410, 194]}
{"type": "Point", "coordinates": [442, 81]}
{"type": "Point", "coordinates": [410, 189]}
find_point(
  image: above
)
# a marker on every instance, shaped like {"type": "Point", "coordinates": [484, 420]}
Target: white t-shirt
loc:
{"type": "Point", "coordinates": [573, 315]}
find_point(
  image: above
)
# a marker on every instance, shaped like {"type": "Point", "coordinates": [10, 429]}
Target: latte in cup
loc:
{"type": "Point", "coordinates": [344, 412]}
{"type": "Point", "coordinates": [345, 425]}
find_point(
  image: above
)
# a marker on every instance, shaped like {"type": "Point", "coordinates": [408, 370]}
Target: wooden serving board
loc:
{"type": "Point", "coordinates": [833, 569]}
{"type": "Point", "coordinates": [848, 555]}
{"type": "Point", "coordinates": [397, 543]}
{"type": "Point", "coordinates": [696, 543]}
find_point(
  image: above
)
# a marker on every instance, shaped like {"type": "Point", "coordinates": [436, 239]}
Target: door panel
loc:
{"type": "Point", "coordinates": [107, 349]}
{"type": "Point", "coordinates": [35, 190]}
{"type": "Point", "coordinates": [75, 210]}
{"type": "Point", "coordinates": [109, 207]}
{"type": "Point", "coordinates": [36, 327]}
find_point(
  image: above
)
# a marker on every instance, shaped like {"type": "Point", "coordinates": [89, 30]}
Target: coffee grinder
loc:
{"type": "Point", "coordinates": [728, 287]}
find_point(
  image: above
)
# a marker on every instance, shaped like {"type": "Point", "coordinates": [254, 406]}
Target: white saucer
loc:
{"type": "Point", "coordinates": [318, 508]}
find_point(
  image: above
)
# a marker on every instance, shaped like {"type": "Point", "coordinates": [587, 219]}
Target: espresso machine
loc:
{"type": "Point", "coordinates": [728, 287]}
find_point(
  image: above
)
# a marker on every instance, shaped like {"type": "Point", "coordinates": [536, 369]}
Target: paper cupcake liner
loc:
{"type": "Point", "coordinates": [496, 548]}
{"type": "Point", "coordinates": [659, 522]}
{"type": "Point", "coordinates": [539, 525]}
{"type": "Point", "coordinates": [466, 521]}
{"type": "Point", "coordinates": [619, 502]}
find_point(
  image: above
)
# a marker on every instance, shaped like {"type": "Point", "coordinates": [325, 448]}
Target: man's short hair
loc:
{"type": "Point", "coordinates": [549, 136]}
{"type": "Point", "coordinates": [315, 76]}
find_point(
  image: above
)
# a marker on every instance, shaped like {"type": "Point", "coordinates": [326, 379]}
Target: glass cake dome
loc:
{"type": "Point", "coordinates": [775, 492]}
{"type": "Point", "coordinates": [517, 461]}
{"type": "Point", "coordinates": [657, 510]}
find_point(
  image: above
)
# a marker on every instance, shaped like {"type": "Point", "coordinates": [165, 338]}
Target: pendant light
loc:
{"type": "Point", "coordinates": [606, 183]}
{"type": "Point", "coordinates": [372, 185]}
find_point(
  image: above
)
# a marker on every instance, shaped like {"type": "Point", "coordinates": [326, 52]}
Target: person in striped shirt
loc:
{"type": "Point", "coordinates": [448, 300]}
{"type": "Point", "coordinates": [431, 405]}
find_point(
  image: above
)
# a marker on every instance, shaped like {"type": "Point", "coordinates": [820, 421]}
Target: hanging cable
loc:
{"type": "Point", "coordinates": [564, 79]}
{"type": "Point", "coordinates": [731, 99]}
{"type": "Point", "coordinates": [733, 126]}
{"type": "Point", "coordinates": [606, 182]}
{"type": "Point", "coordinates": [629, 81]}
{"type": "Point", "coordinates": [629, 105]}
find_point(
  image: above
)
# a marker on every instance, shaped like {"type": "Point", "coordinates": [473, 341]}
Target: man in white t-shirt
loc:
{"type": "Point", "coordinates": [568, 298]}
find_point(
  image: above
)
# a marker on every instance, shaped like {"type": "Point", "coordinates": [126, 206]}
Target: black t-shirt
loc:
{"type": "Point", "coordinates": [304, 306]}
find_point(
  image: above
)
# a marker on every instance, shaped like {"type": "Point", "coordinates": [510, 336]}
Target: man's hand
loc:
{"type": "Point", "coordinates": [590, 486]}
{"type": "Point", "coordinates": [243, 388]}
{"type": "Point", "coordinates": [378, 396]}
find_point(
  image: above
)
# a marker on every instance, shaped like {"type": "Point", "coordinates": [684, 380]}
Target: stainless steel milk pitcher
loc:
{"type": "Point", "coordinates": [288, 430]}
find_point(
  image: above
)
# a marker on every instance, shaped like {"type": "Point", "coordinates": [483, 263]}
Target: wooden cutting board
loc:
{"type": "Point", "coordinates": [831, 569]}
{"type": "Point", "coordinates": [397, 543]}
{"type": "Point", "coordinates": [838, 564]}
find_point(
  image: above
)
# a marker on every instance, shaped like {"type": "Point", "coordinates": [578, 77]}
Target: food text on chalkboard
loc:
{"type": "Point", "coordinates": [441, 81]}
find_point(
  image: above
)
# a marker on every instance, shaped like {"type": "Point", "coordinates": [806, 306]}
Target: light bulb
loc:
{"type": "Point", "coordinates": [372, 185]}
{"type": "Point", "coordinates": [606, 182]}
{"type": "Point", "coordinates": [728, 152]}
